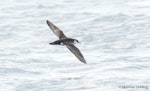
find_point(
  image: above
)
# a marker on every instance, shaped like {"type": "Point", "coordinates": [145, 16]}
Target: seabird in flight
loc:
{"type": "Point", "coordinates": [68, 42]}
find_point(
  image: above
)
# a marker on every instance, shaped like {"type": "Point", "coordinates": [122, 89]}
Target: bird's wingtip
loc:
{"type": "Point", "coordinates": [84, 61]}
{"type": "Point", "coordinates": [47, 21]}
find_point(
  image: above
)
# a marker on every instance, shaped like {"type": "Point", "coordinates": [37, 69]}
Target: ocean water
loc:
{"type": "Point", "coordinates": [114, 36]}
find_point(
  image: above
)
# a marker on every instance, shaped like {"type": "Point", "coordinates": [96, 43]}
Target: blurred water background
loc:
{"type": "Point", "coordinates": [114, 36]}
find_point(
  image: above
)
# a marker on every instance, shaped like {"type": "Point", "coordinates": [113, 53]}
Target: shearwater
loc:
{"type": "Point", "coordinates": [68, 42]}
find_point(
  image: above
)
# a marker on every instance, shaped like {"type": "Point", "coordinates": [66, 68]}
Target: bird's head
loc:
{"type": "Point", "coordinates": [77, 41]}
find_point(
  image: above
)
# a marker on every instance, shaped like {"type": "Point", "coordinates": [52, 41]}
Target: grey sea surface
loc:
{"type": "Point", "coordinates": [114, 36]}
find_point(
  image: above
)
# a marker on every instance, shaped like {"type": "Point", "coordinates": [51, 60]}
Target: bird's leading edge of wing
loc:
{"type": "Point", "coordinates": [56, 30]}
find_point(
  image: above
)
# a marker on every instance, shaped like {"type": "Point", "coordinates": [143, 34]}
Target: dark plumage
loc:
{"type": "Point", "coordinates": [68, 42]}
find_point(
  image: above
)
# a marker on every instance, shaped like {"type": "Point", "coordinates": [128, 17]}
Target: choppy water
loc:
{"type": "Point", "coordinates": [114, 36]}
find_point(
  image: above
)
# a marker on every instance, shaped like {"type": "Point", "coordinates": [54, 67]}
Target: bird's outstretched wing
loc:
{"type": "Point", "coordinates": [56, 30]}
{"type": "Point", "coordinates": [76, 52]}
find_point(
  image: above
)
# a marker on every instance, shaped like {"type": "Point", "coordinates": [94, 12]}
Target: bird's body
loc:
{"type": "Point", "coordinates": [63, 41]}
{"type": "Point", "coordinates": [68, 42]}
